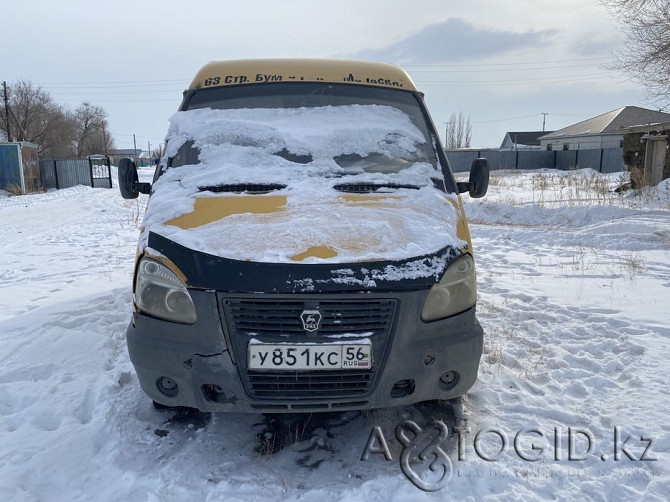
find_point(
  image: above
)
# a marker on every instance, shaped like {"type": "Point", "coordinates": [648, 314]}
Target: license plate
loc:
{"type": "Point", "coordinates": [300, 357]}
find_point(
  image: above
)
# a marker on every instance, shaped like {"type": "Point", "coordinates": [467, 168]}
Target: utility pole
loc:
{"type": "Point", "coordinates": [6, 98]}
{"type": "Point", "coordinates": [104, 137]}
{"type": "Point", "coordinates": [149, 151]}
{"type": "Point", "coordinates": [544, 118]}
{"type": "Point", "coordinates": [135, 146]}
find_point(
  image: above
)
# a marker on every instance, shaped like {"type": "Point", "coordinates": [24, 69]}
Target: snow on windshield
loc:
{"type": "Point", "coordinates": [246, 145]}
{"type": "Point", "coordinates": [309, 152]}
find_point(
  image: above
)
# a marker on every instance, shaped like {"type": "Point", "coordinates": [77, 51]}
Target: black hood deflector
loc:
{"type": "Point", "coordinates": [205, 271]}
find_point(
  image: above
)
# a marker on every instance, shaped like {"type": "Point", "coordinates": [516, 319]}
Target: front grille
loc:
{"type": "Point", "coordinates": [277, 320]}
{"type": "Point", "coordinates": [278, 317]}
{"type": "Point", "coordinates": [309, 383]}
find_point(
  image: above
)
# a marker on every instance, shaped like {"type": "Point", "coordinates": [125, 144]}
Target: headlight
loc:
{"type": "Point", "coordinates": [455, 293]}
{"type": "Point", "coordinates": [159, 293]}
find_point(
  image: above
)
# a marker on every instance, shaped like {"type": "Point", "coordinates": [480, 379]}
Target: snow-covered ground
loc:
{"type": "Point", "coordinates": [574, 298]}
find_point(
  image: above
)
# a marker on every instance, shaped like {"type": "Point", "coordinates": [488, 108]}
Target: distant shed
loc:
{"type": "Point", "coordinates": [19, 167]}
{"type": "Point", "coordinates": [646, 153]}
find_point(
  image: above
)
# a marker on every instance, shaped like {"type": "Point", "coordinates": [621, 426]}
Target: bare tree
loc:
{"type": "Point", "coordinates": [99, 142]}
{"type": "Point", "coordinates": [57, 141]}
{"type": "Point", "coordinates": [159, 151]}
{"type": "Point", "coordinates": [89, 121]}
{"type": "Point", "coordinates": [57, 131]}
{"type": "Point", "coordinates": [33, 115]}
{"type": "Point", "coordinates": [459, 131]}
{"type": "Point", "coordinates": [646, 54]}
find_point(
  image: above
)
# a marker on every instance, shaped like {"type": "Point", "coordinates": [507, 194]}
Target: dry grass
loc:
{"type": "Point", "coordinates": [552, 188]}
{"type": "Point", "coordinates": [529, 366]}
{"type": "Point", "coordinates": [508, 198]}
{"type": "Point", "coordinates": [136, 210]}
{"type": "Point", "coordinates": [277, 437]}
{"type": "Point", "coordinates": [14, 189]}
{"type": "Point", "coordinates": [493, 350]}
{"type": "Point", "coordinates": [632, 264]}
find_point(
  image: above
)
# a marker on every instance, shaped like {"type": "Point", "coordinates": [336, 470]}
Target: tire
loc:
{"type": "Point", "coordinates": [164, 407]}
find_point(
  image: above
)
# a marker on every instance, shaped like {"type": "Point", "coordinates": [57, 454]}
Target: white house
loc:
{"type": "Point", "coordinates": [603, 131]}
{"type": "Point", "coordinates": [523, 140]}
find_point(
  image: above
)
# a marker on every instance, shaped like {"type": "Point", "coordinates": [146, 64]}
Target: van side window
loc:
{"type": "Point", "coordinates": [186, 155]}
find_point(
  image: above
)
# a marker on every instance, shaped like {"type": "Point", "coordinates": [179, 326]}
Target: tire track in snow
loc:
{"type": "Point", "coordinates": [568, 358]}
{"type": "Point", "coordinates": [58, 242]}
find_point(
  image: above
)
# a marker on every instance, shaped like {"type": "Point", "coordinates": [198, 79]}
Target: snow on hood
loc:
{"type": "Point", "coordinates": [308, 220]}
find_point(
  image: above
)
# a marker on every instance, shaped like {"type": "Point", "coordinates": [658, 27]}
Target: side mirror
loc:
{"type": "Point", "coordinates": [479, 179]}
{"type": "Point", "coordinates": [129, 184]}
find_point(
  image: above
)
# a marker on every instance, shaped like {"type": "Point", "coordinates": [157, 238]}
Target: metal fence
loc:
{"type": "Point", "coordinates": [19, 167]}
{"type": "Point", "coordinates": [65, 173]}
{"type": "Point", "coordinates": [604, 160]}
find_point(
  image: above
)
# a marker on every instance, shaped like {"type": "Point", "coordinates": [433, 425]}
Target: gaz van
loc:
{"type": "Point", "coordinates": [304, 247]}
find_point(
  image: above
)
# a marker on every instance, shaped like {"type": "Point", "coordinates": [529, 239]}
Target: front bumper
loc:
{"type": "Point", "coordinates": [207, 360]}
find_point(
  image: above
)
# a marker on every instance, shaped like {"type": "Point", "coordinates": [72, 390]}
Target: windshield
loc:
{"type": "Point", "coordinates": [330, 130]}
{"type": "Point", "coordinates": [314, 95]}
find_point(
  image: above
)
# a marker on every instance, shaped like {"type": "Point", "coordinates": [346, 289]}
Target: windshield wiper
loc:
{"type": "Point", "coordinates": [293, 157]}
{"type": "Point", "coordinates": [371, 187]}
{"type": "Point", "coordinates": [251, 188]}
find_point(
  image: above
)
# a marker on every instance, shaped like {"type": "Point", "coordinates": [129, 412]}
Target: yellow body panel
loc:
{"type": "Point", "coordinates": [258, 71]}
{"type": "Point", "coordinates": [370, 200]}
{"type": "Point", "coordinates": [462, 230]}
{"type": "Point", "coordinates": [210, 209]}
{"type": "Point", "coordinates": [316, 252]}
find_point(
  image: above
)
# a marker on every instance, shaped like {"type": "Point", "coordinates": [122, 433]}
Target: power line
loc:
{"type": "Point", "coordinates": [173, 91]}
{"type": "Point", "coordinates": [95, 82]}
{"type": "Point", "coordinates": [522, 79]}
{"type": "Point", "coordinates": [442, 65]}
{"type": "Point", "coordinates": [526, 117]}
{"type": "Point", "coordinates": [173, 100]}
{"type": "Point", "coordinates": [505, 119]}
{"type": "Point", "coordinates": [121, 86]}
{"type": "Point", "coordinates": [539, 81]}
{"type": "Point", "coordinates": [535, 68]}
{"type": "Point", "coordinates": [140, 83]}
{"type": "Point", "coordinates": [140, 136]}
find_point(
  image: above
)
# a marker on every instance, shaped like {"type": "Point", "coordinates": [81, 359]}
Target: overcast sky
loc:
{"type": "Point", "coordinates": [501, 63]}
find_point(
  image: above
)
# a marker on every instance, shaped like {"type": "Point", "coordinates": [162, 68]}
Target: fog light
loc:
{"type": "Point", "coordinates": [403, 388]}
{"type": "Point", "coordinates": [167, 386]}
{"type": "Point", "coordinates": [215, 394]}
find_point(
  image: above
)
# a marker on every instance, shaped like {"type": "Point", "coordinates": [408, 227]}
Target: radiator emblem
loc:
{"type": "Point", "coordinates": [311, 319]}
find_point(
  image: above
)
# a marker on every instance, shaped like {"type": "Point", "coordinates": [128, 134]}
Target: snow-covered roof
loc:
{"type": "Point", "coordinates": [529, 138]}
{"type": "Point", "coordinates": [657, 126]}
{"type": "Point", "coordinates": [124, 151]}
{"type": "Point", "coordinates": [611, 122]}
